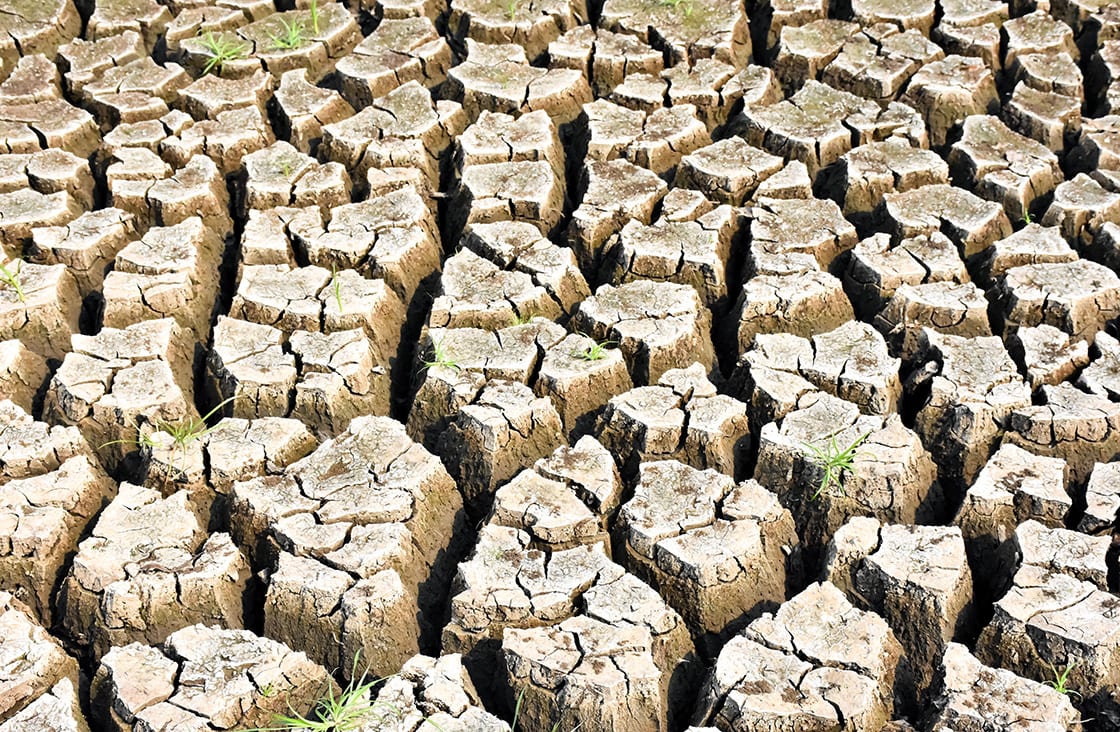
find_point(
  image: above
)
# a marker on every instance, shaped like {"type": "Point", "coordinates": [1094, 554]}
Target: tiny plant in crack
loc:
{"type": "Point", "coordinates": [594, 352]}
{"type": "Point", "coordinates": [336, 286]}
{"type": "Point", "coordinates": [834, 461]}
{"type": "Point", "coordinates": [440, 357]}
{"type": "Point", "coordinates": [290, 37]}
{"type": "Point", "coordinates": [1060, 682]}
{"type": "Point", "coordinates": [314, 8]}
{"type": "Point", "coordinates": [222, 50]}
{"type": "Point", "coordinates": [1026, 217]}
{"type": "Point", "coordinates": [511, 9]}
{"type": "Point", "coordinates": [183, 434]}
{"type": "Point", "coordinates": [685, 6]}
{"type": "Point", "coordinates": [11, 279]}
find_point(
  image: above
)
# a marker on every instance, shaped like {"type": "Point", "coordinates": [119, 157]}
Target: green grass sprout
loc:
{"type": "Point", "coordinates": [11, 279]}
{"type": "Point", "coordinates": [834, 460]}
{"type": "Point", "coordinates": [221, 50]}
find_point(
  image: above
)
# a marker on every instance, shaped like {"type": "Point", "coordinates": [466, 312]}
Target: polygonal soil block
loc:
{"type": "Point", "coordinates": [970, 222]}
{"type": "Point", "coordinates": [717, 551]}
{"type": "Point", "coordinates": [681, 418]}
{"type": "Point", "coordinates": [516, 191]}
{"type": "Point", "coordinates": [1003, 166]}
{"type": "Point", "coordinates": [1064, 551]}
{"type": "Point", "coordinates": [40, 307]}
{"type": "Point", "coordinates": [231, 135]}
{"type": "Point", "coordinates": [878, 62]}
{"type": "Point", "coordinates": [850, 362]}
{"type": "Point", "coordinates": [706, 29]}
{"type": "Point", "coordinates": [44, 515]}
{"type": "Point", "coordinates": [1102, 500]}
{"type": "Point", "coordinates": [35, 668]}
{"type": "Point", "coordinates": [658, 326]}
{"type": "Point", "coordinates": [890, 478]}
{"type": "Point", "coordinates": [120, 384]}
{"type": "Point", "coordinates": [838, 661]}
{"type": "Point", "coordinates": [804, 303]}
{"type": "Point", "coordinates": [781, 229]}
{"type": "Point", "coordinates": [195, 189]}
{"type": "Point", "coordinates": [877, 268]}
{"type": "Point", "coordinates": [947, 91]}
{"type": "Point", "coordinates": [1050, 357]}
{"type": "Point", "coordinates": [946, 307]}
{"type": "Point", "coordinates": [1049, 117]}
{"type": "Point", "coordinates": [610, 194]}
{"type": "Point", "coordinates": [579, 376]}
{"type": "Point", "coordinates": [85, 245]}
{"type": "Point", "coordinates": [303, 108]}
{"type": "Point", "coordinates": [531, 27]}
{"type": "Point", "coordinates": [398, 51]}
{"type": "Point", "coordinates": [502, 431]}
{"type": "Point", "coordinates": [340, 378]}
{"type": "Point", "coordinates": [502, 138]}
{"type": "Point", "coordinates": [1081, 206]}
{"type": "Point", "coordinates": [49, 171]}
{"type": "Point", "coordinates": [1014, 486]}
{"type": "Point", "coordinates": [1036, 32]}
{"type": "Point", "coordinates": [916, 578]}
{"type": "Point", "coordinates": [969, 693]}
{"type": "Point", "coordinates": [205, 678]}
{"type": "Point", "coordinates": [974, 390]}
{"type": "Point", "coordinates": [605, 57]}
{"type": "Point", "coordinates": [727, 171]}
{"type": "Point", "coordinates": [281, 175]}
{"type": "Point", "coordinates": [804, 50]}
{"type": "Point", "coordinates": [248, 363]}
{"type": "Point", "coordinates": [1082, 429]}
{"type": "Point", "coordinates": [168, 273]}
{"type": "Point", "coordinates": [869, 172]}
{"type": "Point", "coordinates": [148, 569]}
{"type": "Point", "coordinates": [692, 253]}
{"type": "Point", "coordinates": [1101, 377]}
{"type": "Point", "coordinates": [547, 510]}
{"type": "Point", "coordinates": [359, 533]}
{"type": "Point", "coordinates": [1078, 297]}
{"type": "Point", "coordinates": [1033, 244]}
{"type": "Point", "coordinates": [241, 449]}
{"type": "Point", "coordinates": [498, 78]}
{"type": "Point", "coordinates": [48, 123]}
{"type": "Point", "coordinates": [22, 374]}
{"type": "Point", "coordinates": [475, 293]}
{"type": "Point", "coordinates": [407, 699]}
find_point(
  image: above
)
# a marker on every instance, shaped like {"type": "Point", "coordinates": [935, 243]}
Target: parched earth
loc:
{"type": "Point", "coordinates": [543, 365]}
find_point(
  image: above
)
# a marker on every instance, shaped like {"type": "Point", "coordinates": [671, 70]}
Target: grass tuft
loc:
{"type": "Point", "coordinates": [684, 6]}
{"type": "Point", "coordinates": [440, 357]}
{"type": "Point", "coordinates": [11, 279]}
{"type": "Point", "coordinates": [595, 352]}
{"type": "Point", "coordinates": [182, 433]}
{"type": "Point", "coordinates": [834, 460]}
{"type": "Point", "coordinates": [291, 37]}
{"type": "Point", "coordinates": [336, 286]}
{"type": "Point", "coordinates": [1060, 682]}
{"type": "Point", "coordinates": [221, 50]}
{"type": "Point", "coordinates": [314, 16]}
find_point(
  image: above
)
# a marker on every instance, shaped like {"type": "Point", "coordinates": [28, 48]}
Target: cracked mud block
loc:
{"type": "Point", "coordinates": [241, 449]}
{"type": "Point", "coordinates": [801, 302]}
{"type": "Point", "coordinates": [891, 476]}
{"type": "Point", "coordinates": [248, 363]}
{"type": "Point", "coordinates": [850, 362]}
{"type": "Point", "coordinates": [44, 513]}
{"type": "Point", "coordinates": [680, 418]}
{"type": "Point", "coordinates": [23, 373]}
{"type": "Point", "coordinates": [392, 237]}
{"type": "Point", "coordinates": [48, 171]}
{"type": "Point", "coordinates": [916, 578]}
{"type": "Point", "coordinates": [720, 553]}
{"type": "Point", "coordinates": [1101, 377]}
{"type": "Point", "coordinates": [611, 193]}
{"type": "Point", "coordinates": [776, 15]}
{"type": "Point", "coordinates": [281, 175]}
{"type": "Point", "coordinates": [267, 237]}
{"type": "Point", "coordinates": [718, 89]}
{"type": "Point", "coordinates": [226, 139]}
{"type": "Point", "coordinates": [728, 171]}
{"type": "Point", "coordinates": [805, 50]}
{"type": "Point", "coordinates": [498, 78]}
{"type": "Point", "coordinates": [205, 678]}
{"type": "Point", "coordinates": [34, 78]}
{"type": "Point", "coordinates": [518, 247]}
{"type": "Point", "coordinates": [945, 307]}
{"type": "Point", "coordinates": [1081, 206]}
{"type": "Point", "coordinates": [1033, 244]}
{"type": "Point", "coordinates": [688, 33]}
{"type": "Point", "coordinates": [1080, 428]}
{"type": "Point", "coordinates": [606, 58]}
{"type": "Point", "coordinates": [913, 14]}
{"type": "Point", "coordinates": [432, 692]}
{"type": "Point", "coordinates": [973, 392]}
{"type": "Point", "coordinates": [35, 669]}
{"type": "Point", "coordinates": [303, 108]}
{"type": "Point", "coordinates": [863, 176]}
{"type": "Point", "coordinates": [59, 709]}
{"type": "Point", "coordinates": [655, 139]}
{"type": "Point", "coordinates": [1037, 32]}
{"type": "Point", "coordinates": [970, 694]}
{"type": "Point", "coordinates": [31, 28]}
{"type": "Point", "coordinates": [453, 365]}
{"type": "Point", "coordinates": [43, 311]}
{"type": "Point", "coordinates": [357, 535]}
{"type": "Point", "coordinates": [208, 97]}
{"type": "Point", "coordinates": [876, 268]}
{"type": "Point", "coordinates": [792, 181]}
{"type": "Point", "coordinates": [644, 93]}
{"type": "Point", "coordinates": [972, 28]}
{"type": "Point", "coordinates": [1057, 73]}
{"type": "Point", "coordinates": [86, 245]}
{"type": "Point", "coordinates": [579, 377]}
{"type": "Point", "coordinates": [144, 186]}
{"type": "Point", "coordinates": [1061, 550]}
{"type": "Point", "coordinates": [693, 253]}
{"type": "Point", "coordinates": [168, 273]}
{"type": "Point", "coordinates": [1097, 143]}
{"type": "Point", "coordinates": [396, 52]}
{"type": "Point", "coordinates": [551, 501]}
{"type": "Point", "coordinates": [1079, 297]}
{"type": "Point", "coordinates": [972, 223]}
{"type": "Point", "coordinates": [145, 17]}
{"type": "Point", "coordinates": [1049, 117]}
{"type": "Point", "coordinates": [657, 325]}
{"type": "Point", "coordinates": [121, 383]}
{"type": "Point", "coordinates": [501, 138]}
{"type": "Point", "coordinates": [514, 191]}
{"type": "Point", "coordinates": [1102, 500]}
{"type": "Point", "coordinates": [83, 61]}
{"type": "Point", "coordinates": [475, 293]}
{"type": "Point", "coordinates": [406, 127]}
{"type": "Point", "coordinates": [1014, 486]}
{"type": "Point", "coordinates": [503, 430]}
{"type": "Point", "coordinates": [946, 92]}
{"type": "Point", "coordinates": [51, 123]}
{"type": "Point", "coordinates": [23, 210]}
{"type": "Point", "coordinates": [1003, 166]}
{"type": "Point", "coordinates": [146, 569]}
{"type": "Point", "coordinates": [785, 233]}
{"type": "Point", "coordinates": [137, 91]}
{"type": "Point", "coordinates": [532, 26]}
{"type": "Point", "coordinates": [817, 663]}
{"type": "Point", "coordinates": [1049, 356]}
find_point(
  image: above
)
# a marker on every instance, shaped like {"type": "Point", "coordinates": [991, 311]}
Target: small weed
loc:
{"type": "Point", "coordinates": [834, 461]}
{"type": "Point", "coordinates": [1026, 217]}
{"type": "Point", "coordinates": [440, 357]}
{"type": "Point", "coordinates": [684, 6]}
{"type": "Point", "coordinates": [595, 352]}
{"type": "Point", "coordinates": [511, 9]}
{"type": "Point", "coordinates": [314, 16]}
{"type": "Point", "coordinates": [337, 286]}
{"type": "Point", "coordinates": [221, 50]}
{"type": "Point", "coordinates": [291, 37]}
{"type": "Point", "coordinates": [1061, 679]}
{"type": "Point", "coordinates": [268, 691]}
{"type": "Point", "coordinates": [183, 433]}
{"type": "Point", "coordinates": [523, 319]}
{"type": "Point", "coordinates": [11, 279]}
{"type": "Point", "coordinates": [286, 168]}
